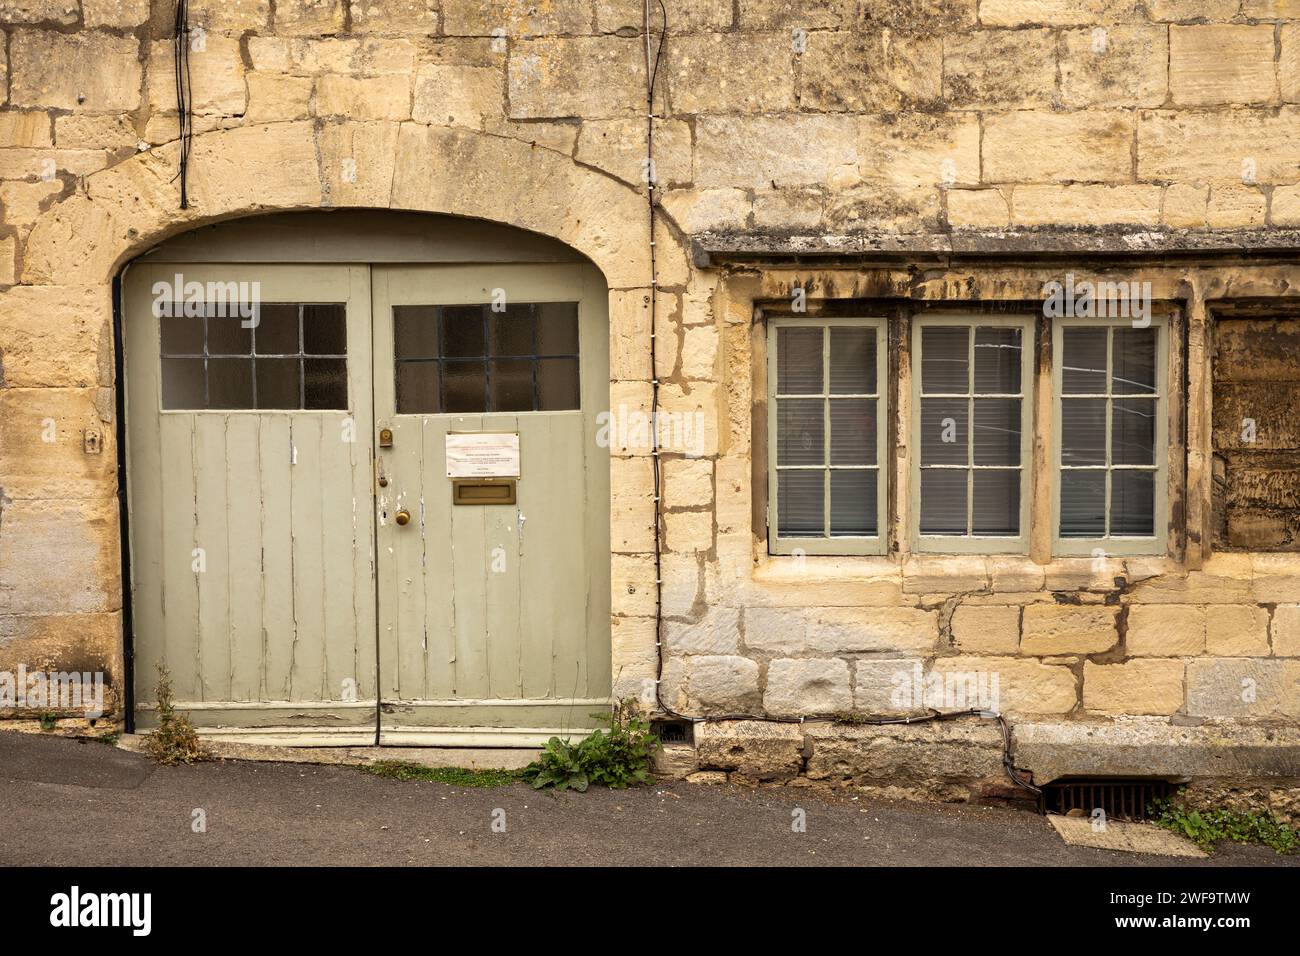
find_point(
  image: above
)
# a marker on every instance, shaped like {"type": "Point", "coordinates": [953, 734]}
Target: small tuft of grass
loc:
{"type": "Point", "coordinates": [49, 720]}
{"type": "Point", "coordinates": [109, 737]}
{"type": "Point", "coordinates": [454, 776]}
{"type": "Point", "coordinates": [1206, 828]}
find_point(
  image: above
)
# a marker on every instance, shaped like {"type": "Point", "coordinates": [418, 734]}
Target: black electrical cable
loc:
{"type": "Point", "coordinates": [183, 96]}
{"type": "Point", "coordinates": [652, 74]}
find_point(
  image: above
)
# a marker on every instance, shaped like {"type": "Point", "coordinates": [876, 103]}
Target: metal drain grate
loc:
{"type": "Point", "coordinates": [1120, 799]}
{"type": "Point", "coordinates": [673, 731]}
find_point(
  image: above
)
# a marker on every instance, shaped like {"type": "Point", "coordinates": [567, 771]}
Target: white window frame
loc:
{"type": "Point", "coordinates": [876, 544]}
{"type": "Point", "coordinates": [1157, 542]}
{"type": "Point", "coordinates": [974, 543]}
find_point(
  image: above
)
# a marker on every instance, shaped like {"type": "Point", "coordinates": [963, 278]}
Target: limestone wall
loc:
{"type": "Point", "coordinates": [775, 118]}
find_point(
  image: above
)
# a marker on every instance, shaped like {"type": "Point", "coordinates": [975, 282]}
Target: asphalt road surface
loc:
{"type": "Point", "coordinates": [76, 802]}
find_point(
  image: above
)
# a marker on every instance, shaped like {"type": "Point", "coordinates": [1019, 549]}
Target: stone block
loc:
{"type": "Point", "coordinates": [718, 632]}
{"type": "Point", "coordinates": [945, 750]}
{"type": "Point", "coordinates": [216, 77]}
{"type": "Point", "coordinates": [1211, 64]}
{"type": "Point", "coordinates": [688, 483]}
{"type": "Point", "coordinates": [759, 750]}
{"type": "Point", "coordinates": [890, 73]}
{"type": "Point", "coordinates": [1286, 630]}
{"type": "Point", "coordinates": [1022, 686]}
{"type": "Point", "coordinates": [1068, 629]}
{"type": "Point", "coordinates": [807, 686]}
{"type": "Point", "coordinates": [1000, 69]}
{"type": "Point", "coordinates": [1165, 630]}
{"type": "Point", "coordinates": [792, 150]}
{"type": "Point", "coordinates": [1247, 688]}
{"type": "Point", "coordinates": [730, 73]}
{"type": "Point", "coordinates": [88, 71]}
{"type": "Point", "coordinates": [1204, 145]}
{"type": "Point", "coordinates": [1114, 66]}
{"type": "Point", "coordinates": [1235, 630]}
{"type": "Point", "coordinates": [987, 629]}
{"type": "Point", "coordinates": [588, 77]}
{"type": "Point", "coordinates": [455, 95]}
{"type": "Point", "coordinates": [1134, 687]}
{"type": "Point", "coordinates": [1041, 147]}
{"type": "Point", "coordinates": [721, 684]}
{"type": "Point", "coordinates": [364, 98]}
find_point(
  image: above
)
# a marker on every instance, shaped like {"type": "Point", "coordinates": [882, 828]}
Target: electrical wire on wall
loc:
{"type": "Point", "coordinates": [653, 53]}
{"type": "Point", "coordinates": [184, 117]}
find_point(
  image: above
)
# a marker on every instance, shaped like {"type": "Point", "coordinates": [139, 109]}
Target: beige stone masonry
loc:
{"type": "Point", "coordinates": [1068, 629]}
{"type": "Point", "coordinates": [1175, 630]}
{"type": "Point", "coordinates": [1134, 687]}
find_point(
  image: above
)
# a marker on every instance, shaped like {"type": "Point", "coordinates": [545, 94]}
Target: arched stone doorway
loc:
{"type": "Point", "coordinates": [365, 489]}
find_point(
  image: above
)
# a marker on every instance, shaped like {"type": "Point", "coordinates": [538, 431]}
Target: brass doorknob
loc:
{"type": "Point", "coordinates": [402, 517]}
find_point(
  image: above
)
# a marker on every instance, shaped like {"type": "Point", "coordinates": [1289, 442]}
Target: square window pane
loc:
{"type": "Point", "coordinates": [853, 503]}
{"type": "Point", "coordinates": [181, 334]}
{"type": "Point", "coordinates": [417, 388]}
{"type": "Point", "coordinates": [276, 332]}
{"type": "Point", "coordinates": [182, 383]}
{"type": "Point", "coordinates": [511, 384]}
{"type": "Point", "coordinates": [1133, 355]}
{"type": "Point", "coordinates": [461, 331]}
{"type": "Point", "coordinates": [1083, 431]}
{"type": "Point", "coordinates": [511, 332]}
{"type": "Point", "coordinates": [230, 383]}
{"type": "Point", "coordinates": [945, 359]}
{"type": "Point", "coordinates": [853, 361]}
{"type": "Point", "coordinates": [227, 336]}
{"type": "Point", "coordinates": [943, 501]}
{"type": "Point", "coordinates": [800, 432]}
{"type": "Point", "coordinates": [801, 503]}
{"type": "Point", "coordinates": [943, 431]}
{"type": "Point", "coordinates": [415, 331]}
{"type": "Point", "coordinates": [996, 434]}
{"type": "Point", "coordinates": [558, 385]}
{"type": "Point", "coordinates": [277, 383]}
{"type": "Point", "coordinates": [1132, 502]}
{"type": "Point", "coordinates": [1083, 504]}
{"type": "Point", "coordinates": [557, 328]}
{"type": "Point", "coordinates": [1083, 361]}
{"type": "Point", "coordinates": [324, 330]}
{"type": "Point", "coordinates": [325, 383]}
{"type": "Point", "coordinates": [997, 361]}
{"type": "Point", "coordinates": [853, 431]}
{"type": "Point", "coordinates": [1133, 431]}
{"type": "Point", "coordinates": [798, 361]}
{"type": "Point", "coordinates": [464, 386]}
{"type": "Point", "coordinates": [995, 498]}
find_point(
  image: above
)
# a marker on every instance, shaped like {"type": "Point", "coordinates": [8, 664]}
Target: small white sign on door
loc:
{"type": "Point", "coordinates": [483, 455]}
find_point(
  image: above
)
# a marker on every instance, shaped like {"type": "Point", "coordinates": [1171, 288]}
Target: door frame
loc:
{"type": "Point", "coordinates": [315, 237]}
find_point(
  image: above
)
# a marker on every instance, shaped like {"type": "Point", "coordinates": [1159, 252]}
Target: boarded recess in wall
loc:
{"type": "Point", "coordinates": [1257, 432]}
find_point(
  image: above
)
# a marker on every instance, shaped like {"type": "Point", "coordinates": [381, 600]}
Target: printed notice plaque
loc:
{"type": "Point", "coordinates": [483, 455]}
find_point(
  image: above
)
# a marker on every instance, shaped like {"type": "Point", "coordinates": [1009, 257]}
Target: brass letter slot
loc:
{"type": "Point", "coordinates": [483, 491]}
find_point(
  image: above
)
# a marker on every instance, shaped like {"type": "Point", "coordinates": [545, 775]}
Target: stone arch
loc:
{"type": "Point", "coordinates": [78, 245]}
{"type": "Point", "coordinates": [293, 166]}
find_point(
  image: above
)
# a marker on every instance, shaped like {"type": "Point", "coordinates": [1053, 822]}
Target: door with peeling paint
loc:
{"type": "Point", "coordinates": [249, 455]}
{"type": "Point", "coordinates": [493, 617]}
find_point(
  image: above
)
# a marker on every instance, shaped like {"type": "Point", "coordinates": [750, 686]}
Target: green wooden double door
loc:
{"type": "Point", "coordinates": [320, 461]}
